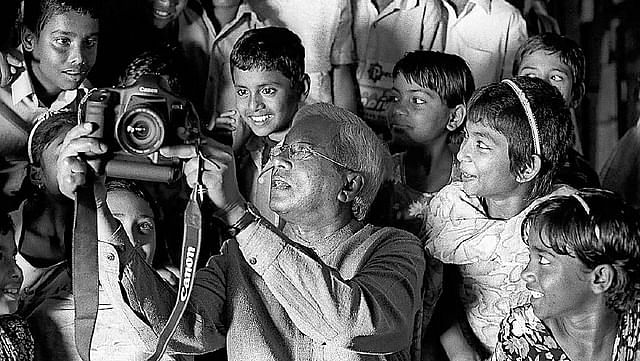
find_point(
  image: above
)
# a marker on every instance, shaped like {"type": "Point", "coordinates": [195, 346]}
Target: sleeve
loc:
{"type": "Point", "coordinates": [200, 328]}
{"type": "Point", "coordinates": [372, 312]}
{"type": "Point", "coordinates": [457, 232]}
{"type": "Point", "coordinates": [516, 36]}
{"type": "Point", "coordinates": [343, 48]}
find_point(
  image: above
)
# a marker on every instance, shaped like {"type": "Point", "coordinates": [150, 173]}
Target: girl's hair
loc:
{"type": "Point", "coordinates": [597, 227]}
{"type": "Point", "coordinates": [497, 106]}
{"type": "Point", "coordinates": [48, 127]}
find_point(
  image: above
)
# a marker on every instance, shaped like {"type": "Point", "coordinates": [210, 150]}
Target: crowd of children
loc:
{"type": "Point", "coordinates": [525, 256]}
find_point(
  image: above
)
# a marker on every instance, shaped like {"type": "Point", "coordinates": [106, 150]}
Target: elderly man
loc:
{"type": "Point", "coordinates": [329, 287]}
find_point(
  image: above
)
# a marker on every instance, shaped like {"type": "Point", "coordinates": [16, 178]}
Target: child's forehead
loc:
{"type": "Point", "coordinates": [542, 57]}
{"type": "Point", "coordinates": [72, 21]}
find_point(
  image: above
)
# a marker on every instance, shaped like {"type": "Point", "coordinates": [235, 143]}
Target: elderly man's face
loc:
{"type": "Point", "coordinates": [307, 189]}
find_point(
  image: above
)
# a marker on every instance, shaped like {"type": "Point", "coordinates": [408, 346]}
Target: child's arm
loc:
{"type": "Point", "coordinates": [456, 345]}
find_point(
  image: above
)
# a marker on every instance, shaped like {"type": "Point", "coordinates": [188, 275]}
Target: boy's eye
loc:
{"type": "Point", "coordinates": [62, 41]}
{"type": "Point", "coordinates": [145, 227]}
{"type": "Point", "coordinates": [242, 92]}
{"type": "Point", "coordinates": [557, 78]}
{"type": "Point", "coordinates": [419, 101]}
{"type": "Point", "coordinates": [543, 261]}
{"type": "Point", "coordinates": [393, 99]}
{"type": "Point", "coordinates": [90, 43]}
{"type": "Point", "coordinates": [268, 91]}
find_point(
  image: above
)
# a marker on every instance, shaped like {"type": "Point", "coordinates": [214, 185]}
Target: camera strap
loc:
{"type": "Point", "coordinates": [84, 269]}
{"type": "Point", "coordinates": [190, 252]}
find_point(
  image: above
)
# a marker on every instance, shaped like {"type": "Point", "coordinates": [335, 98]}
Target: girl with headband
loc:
{"type": "Point", "coordinates": [584, 276]}
{"type": "Point", "coordinates": [517, 133]}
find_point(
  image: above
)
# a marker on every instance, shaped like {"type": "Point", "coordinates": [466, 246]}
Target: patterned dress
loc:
{"type": "Point", "coordinates": [16, 343]}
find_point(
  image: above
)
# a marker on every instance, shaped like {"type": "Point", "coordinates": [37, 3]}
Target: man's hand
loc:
{"type": "Point", "coordinates": [74, 170]}
{"type": "Point", "coordinates": [218, 174]}
{"type": "Point", "coordinates": [11, 65]}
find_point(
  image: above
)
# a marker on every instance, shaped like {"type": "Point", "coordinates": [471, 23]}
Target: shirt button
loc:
{"type": "Point", "coordinates": [253, 260]}
{"type": "Point", "coordinates": [111, 257]}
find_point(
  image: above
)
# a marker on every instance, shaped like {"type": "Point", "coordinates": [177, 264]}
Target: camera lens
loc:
{"type": "Point", "coordinates": [140, 131]}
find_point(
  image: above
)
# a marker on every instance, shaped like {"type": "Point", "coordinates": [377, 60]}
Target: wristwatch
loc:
{"type": "Point", "coordinates": [250, 215]}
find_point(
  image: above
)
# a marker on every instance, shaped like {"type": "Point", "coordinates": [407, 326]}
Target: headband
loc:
{"type": "Point", "coordinates": [527, 109]}
{"type": "Point", "coordinates": [587, 210]}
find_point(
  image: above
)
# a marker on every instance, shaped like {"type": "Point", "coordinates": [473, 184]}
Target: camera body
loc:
{"type": "Point", "coordinates": [136, 121]}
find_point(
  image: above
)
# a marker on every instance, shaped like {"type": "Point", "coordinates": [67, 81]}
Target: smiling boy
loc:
{"type": "Point", "coordinates": [267, 69]}
{"type": "Point", "coordinates": [59, 41]}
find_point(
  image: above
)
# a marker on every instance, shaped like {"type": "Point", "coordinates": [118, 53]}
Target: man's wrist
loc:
{"type": "Point", "coordinates": [242, 220]}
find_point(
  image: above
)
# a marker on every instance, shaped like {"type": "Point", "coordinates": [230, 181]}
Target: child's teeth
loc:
{"type": "Point", "coordinates": [536, 294]}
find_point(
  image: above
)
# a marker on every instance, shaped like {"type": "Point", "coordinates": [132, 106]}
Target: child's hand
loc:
{"type": "Point", "coordinates": [11, 65]}
{"type": "Point", "coordinates": [227, 121]}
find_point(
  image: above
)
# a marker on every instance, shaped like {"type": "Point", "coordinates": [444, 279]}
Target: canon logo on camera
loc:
{"type": "Point", "coordinates": [144, 89]}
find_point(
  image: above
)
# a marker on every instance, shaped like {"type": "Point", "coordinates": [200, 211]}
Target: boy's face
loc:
{"type": "Point", "coordinates": [64, 52]}
{"type": "Point", "coordinates": [548, 67]}
{"type": "Point", "coordinates": [265, 100]}
{"type": "Point", "coordinates": [417, 115]}
{"type": "Point", "coordinates": [163, 12]}
{"type": "Point", "coordinates": [484, 163]}
{"type": "Point", "coordinates": [136, 216]}
{"type": "Point", "coordinates": [10, 274]}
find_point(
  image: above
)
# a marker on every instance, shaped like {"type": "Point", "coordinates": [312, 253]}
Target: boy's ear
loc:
{"type": "Point", "coordinates": [28, 39]}
{"type": "Point", "coordinates": [602, 278]}
{"type": "Point", "coordinates": [352, 187]}
{"type": "Point", "coordinates": [530, 170]}
{"type": "Point", "coordinates": [576, 95]}
{"type": "Point", "coordinates": [306, 85]}
{"type": "Point", "coordinates": [456, 117]}
{"type": "Point", "coordinates": [35, 176]}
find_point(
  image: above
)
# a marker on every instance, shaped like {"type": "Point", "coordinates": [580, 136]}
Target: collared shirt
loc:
{"type": "Point", "coordinates": [220, 95]}
{"type": "Point", "coordinates": [486, 34]}
{"type": "Point", "coordinates": [353, 296]}
{"type": "Point", "coordinates": [490, 254]}
{"type": "Point", "coordinates": [19, 109]}
{"type": "Point", "coordinates": [324, 26]}
{"type": "Point", "coordinates": [46, 302]}
{"type": "Point", "coordinates": [422, 27]}
{"type": "Point", "coordinates": [254, 174]}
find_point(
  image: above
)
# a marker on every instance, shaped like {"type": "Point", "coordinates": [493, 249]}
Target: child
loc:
{"type": "Point", "coordinates": [267, 68]}
{"type": "Point", "coordinates": [517, 132]}
{"type": "Point", "coordinates": [583, 274]}
{"type": "Point", "coordinates": [560, 62]}
{"type": "Point", "coordinates": [16, 343]}
{"type": "Point", "coordinates": [59, 42]}
{"type": "Point", "coordinates": [427, 104]}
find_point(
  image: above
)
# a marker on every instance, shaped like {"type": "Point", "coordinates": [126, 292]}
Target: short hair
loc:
{"type": "Point", "coordinates": [37, 13]}
{"type": "Point", "coordinates": [569, 52]}
{"type": "Point", "coordinates": [356, 146]}
{"type": "Point", "coordinates": [446, 74]}
{"type": "Point", "coordinates": [603, 230]}
{"type": "Point", "coordinates": [498, 107]}
{"type": "Point", "coordinates": [47, 129]}
{"type": "Point", "coordinates": [271, 49]}
{"type": "Point", "coordinates": [152, 62]}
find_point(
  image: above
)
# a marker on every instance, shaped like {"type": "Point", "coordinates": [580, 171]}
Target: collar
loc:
{"type": "Point", "coordinates": [22, 88]}
{"type": "Point", "coordinates": [485, 4]}
{"type": "Point", "coordinates": [398, 5]}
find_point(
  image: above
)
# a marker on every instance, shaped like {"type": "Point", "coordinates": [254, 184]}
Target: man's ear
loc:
{"type": "Point", "coordinates": [306, 86]}
{"type": "Point", "coordinates": [530, 170]}
{"type": "Point", "coordinates": [456, 117]}
{"type": "Point", "coordinates": [28, 39]}
{"type": "Point", "coordinates": [576, 96]}
{"type": "Point", "coordinates": [602, 278]}
{"type": "Point", "coordinates": [354, 183]}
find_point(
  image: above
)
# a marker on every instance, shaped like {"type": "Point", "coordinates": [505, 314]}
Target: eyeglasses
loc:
{"type": "Point", "coordinates": [301, 151]}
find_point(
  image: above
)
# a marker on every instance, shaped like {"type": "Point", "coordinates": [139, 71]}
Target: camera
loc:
{"type": "Point", "coordinates": [136, 121]}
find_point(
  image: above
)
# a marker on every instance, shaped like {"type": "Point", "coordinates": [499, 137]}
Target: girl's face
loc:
{"type": "Point", "coordinates": [136, 217]}
{"type": "Point", "coordinates": [559, 284]}
{"type": "Point", "coordinates": [484, 162]}
{"type": "Point", "coordinates": [10, 275]}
